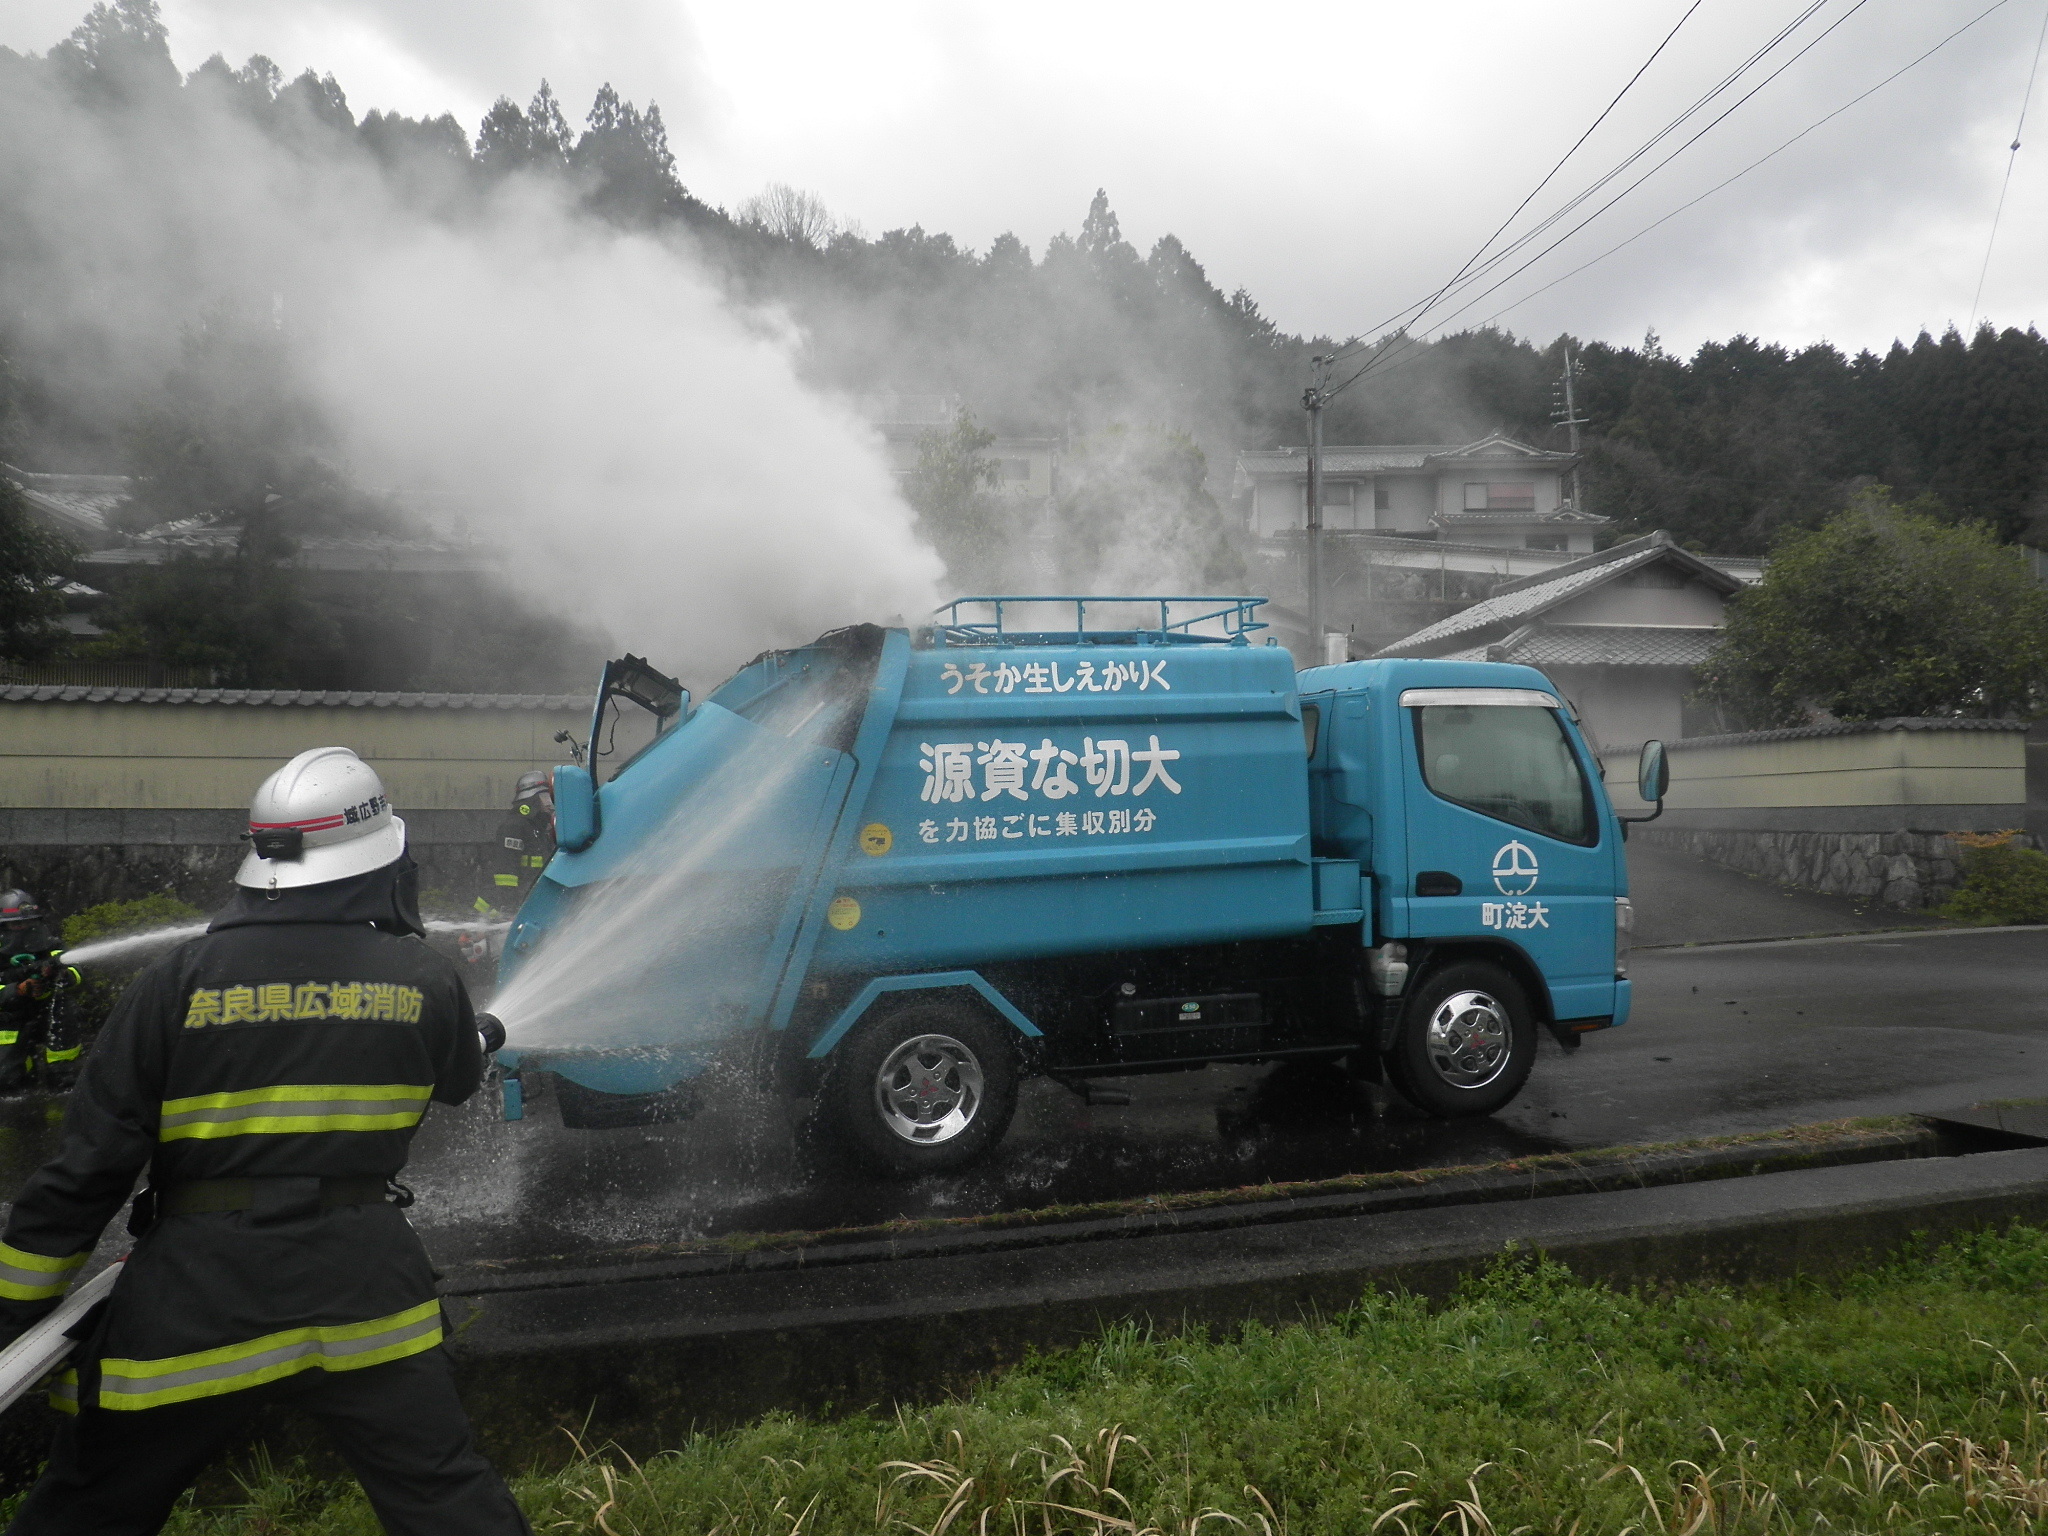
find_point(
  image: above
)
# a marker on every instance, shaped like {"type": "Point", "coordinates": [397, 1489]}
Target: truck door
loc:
{"type": "Point", "coordinates": [1504, 836]}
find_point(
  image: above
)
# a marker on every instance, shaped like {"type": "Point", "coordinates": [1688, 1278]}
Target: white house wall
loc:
{"type": "Point", "coordinates": [1626, 704]}
{"type": "Point", "coordinates": [1450, 487]}
{"type": "Point", "coordinates": [1691, 606]}
{"type": "Point", "coordinates": [1410, 501]}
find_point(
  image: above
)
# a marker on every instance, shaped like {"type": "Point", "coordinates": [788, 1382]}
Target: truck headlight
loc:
{"type": "Point", "coordinates": [1624, 933]}
{"type": "Point", "coordinates": [1389, 967]}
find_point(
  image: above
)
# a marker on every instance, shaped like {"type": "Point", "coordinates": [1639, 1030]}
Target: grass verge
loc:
{"type": "Point", "coordinates": [1912, 1398]}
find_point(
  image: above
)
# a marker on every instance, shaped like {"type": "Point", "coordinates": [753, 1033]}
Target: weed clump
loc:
{"type": "Point", "coordinates": [93, 998]}
{"type": "Point", "coordinates": [2001, 883]}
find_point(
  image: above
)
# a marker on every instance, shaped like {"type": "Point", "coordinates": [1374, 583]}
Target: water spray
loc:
{"type": "Point", "coordinates": [148, 938]}
{"type": "Point", "coordinates": [663, 948]}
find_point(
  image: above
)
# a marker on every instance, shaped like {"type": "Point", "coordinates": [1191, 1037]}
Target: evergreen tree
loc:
{"type": "Point", "coordinates": [33, 568]}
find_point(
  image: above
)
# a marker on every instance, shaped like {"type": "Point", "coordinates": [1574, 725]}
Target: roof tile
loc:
{"type": "Point", "coordinates": [73, 693]}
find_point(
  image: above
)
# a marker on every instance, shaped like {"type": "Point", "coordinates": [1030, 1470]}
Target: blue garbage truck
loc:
{"type": "Point", "coordinates": [897, 870]}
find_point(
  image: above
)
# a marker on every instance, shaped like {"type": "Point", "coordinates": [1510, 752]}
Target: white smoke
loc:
{"type": "Point", "coordinates": [673, 478]}
{"type": "Point", "coordinates": [644, 448]}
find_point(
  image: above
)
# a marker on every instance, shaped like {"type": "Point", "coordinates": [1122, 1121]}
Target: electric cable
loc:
{"type": "Point", "coordinates": [1416, 310]}
{"type": "Point", "coordinates": [1760, 160]}
{"type": "Point", "coordinates": [1610, 203]}
{"type": "Point", "coordinates": [2011, 159]}
{"type": "Point", "coordinates": [1551, 175]}
{"type": "Point", "coordinates": [1817, 123]}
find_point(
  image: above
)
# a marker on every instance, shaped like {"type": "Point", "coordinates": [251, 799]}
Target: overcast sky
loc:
{"type": "Point", "coordinates": [1337, 159]}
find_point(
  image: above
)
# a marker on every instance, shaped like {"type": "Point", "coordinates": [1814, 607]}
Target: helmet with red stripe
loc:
{"type": "Point", "coordinates": [322, 816]}
{"type": "Point", "coordinates": [18, 909]}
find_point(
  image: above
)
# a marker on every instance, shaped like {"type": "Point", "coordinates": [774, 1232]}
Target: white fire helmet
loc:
{"type": "Point", "coordinates": [320, 817]}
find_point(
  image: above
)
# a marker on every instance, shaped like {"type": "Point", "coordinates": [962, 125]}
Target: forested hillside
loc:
{"type": "Point", "coordinates": [1080, 335]}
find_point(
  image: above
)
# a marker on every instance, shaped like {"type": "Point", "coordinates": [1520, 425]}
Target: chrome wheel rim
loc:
{"type": "Point", "coordinates": [1468, 1040]}
{"type": "Point", "coordinates": [929, 1089]}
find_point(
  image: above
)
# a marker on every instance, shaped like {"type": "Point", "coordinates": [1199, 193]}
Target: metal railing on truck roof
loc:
{"type": "Point", "coordinates": [1232, 616]}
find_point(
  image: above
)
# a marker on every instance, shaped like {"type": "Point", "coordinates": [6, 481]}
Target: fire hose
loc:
{"type": "Point", "coordinates": [48, 1341]}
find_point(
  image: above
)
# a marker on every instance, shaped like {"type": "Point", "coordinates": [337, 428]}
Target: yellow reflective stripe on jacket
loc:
{"type": "Point", "coordinates": [70, 1055]}
{"type": "Point", "coordinates": [294, 1108]}
{"type": "Point", "coordinates": [64, 1390]}
{"type": "Point", "coordinates": [26, 1276]}
{"type": "Point", "coordinates": [236, 1367]}
{"type": "Point", "coordinates": [10, 1037]}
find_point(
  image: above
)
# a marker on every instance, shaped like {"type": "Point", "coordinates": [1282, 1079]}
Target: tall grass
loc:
{"type": "Point", "coordinates": [1910, 1399]}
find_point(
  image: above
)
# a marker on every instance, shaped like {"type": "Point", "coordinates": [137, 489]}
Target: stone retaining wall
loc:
{"type": "Point", "coordinates": [1908, 870]}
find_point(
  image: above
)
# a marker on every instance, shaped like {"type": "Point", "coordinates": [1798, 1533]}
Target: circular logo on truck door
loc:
{"type": "Point", "coordinates": [876, 839]}
{"type": "Point", "coordinates": [1514, 869]}
{"type": "Point", "coordinates": [844, 913]}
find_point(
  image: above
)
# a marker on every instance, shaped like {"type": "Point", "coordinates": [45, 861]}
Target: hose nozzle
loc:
{"type": "Point", "coordinates": [491, 1030]}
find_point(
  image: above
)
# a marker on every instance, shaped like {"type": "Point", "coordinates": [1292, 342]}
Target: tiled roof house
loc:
{"type": "Point", "coordinates": [1621, 632]}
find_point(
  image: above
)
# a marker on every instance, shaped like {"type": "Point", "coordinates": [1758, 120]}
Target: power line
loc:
{"type": "Point", "coordinates": [1760, 160]}
{"type": "Point", "coordinates": [1412, 348]}
{"type": "Point", "coordinates": [1551, 174]}
{"type": "Point", "coordinates": [1415, 311]}
{"type": "Point", "coordinates": [1653, 170]}
{"type": "Point", "coordinates": [1404, 342]}
{"type": "Point", "coordinates": [2010, 160]}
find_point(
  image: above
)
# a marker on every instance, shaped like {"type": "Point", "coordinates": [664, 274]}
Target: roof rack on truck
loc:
{"type": "Point", "coordinates": [1229, 621]}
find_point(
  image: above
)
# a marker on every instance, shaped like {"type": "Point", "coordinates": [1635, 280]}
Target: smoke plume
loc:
{"type": "Point", "coordinates": [642, 446]}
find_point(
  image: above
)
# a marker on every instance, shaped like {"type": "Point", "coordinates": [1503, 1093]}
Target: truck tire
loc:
{"type": "Point", "coordinates": [1467, 1041]}
{"type": "Point", "coordinates": [926, 1087]}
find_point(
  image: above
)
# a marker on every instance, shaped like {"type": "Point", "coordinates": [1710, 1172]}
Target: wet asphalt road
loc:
{"type": "Point", "coordinates": [1726, 1037]}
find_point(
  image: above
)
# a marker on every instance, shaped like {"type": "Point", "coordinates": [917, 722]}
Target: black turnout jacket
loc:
{"type": "Point", "coordinates": [299, 1039]}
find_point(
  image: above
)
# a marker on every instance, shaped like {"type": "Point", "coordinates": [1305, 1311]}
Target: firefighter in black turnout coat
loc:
{"type": "Point", "coordinates": [270, 1075]}
{"type": "Point", "coordinates": [37, 1043]}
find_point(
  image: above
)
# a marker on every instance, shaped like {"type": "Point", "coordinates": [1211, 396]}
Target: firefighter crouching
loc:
{"type": "Point", "coordinates": [270, 1075]}
{"type": "Point", "coordinates": [38, 1041]}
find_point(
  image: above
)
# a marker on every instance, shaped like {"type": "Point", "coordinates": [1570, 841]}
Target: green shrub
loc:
{"type": "Point", "coordinates": [2001, 883]}
{"type": "Point", "coordinates": [93, 998]}
{"type": "Point", "coordinates": [110, 919]}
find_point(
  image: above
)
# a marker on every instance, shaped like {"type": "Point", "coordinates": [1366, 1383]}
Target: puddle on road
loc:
{"type": "Point", "coordinates": [492, 1190]}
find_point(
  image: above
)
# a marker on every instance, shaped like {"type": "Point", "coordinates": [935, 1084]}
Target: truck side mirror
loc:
{"type": "Point", "coordinates": [577, 820]}
{"type": "Point", "coordinates": [1653, 772]}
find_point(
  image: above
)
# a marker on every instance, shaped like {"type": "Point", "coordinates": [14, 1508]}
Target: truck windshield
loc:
{"type": "Point", "coordinates": [1511, 763]}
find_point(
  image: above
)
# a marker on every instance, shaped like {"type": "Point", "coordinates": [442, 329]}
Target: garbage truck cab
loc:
{"type": "Point", "coordinates": [899, 870]}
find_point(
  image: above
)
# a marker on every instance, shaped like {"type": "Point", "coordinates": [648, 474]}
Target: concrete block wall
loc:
{"type": "Point", "coordinates": [113, 794]}
{"type": "Point", "coordinates": [1864, 810]}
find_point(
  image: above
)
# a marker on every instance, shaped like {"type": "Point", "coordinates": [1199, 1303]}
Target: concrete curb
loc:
{"type": "Point", "coordinates": [643, 1360]}
{"type": "Point", "coordinates": [1432, 1189]}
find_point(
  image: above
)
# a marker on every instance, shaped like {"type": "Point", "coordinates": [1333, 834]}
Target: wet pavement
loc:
{"type": "Point", "coordinates": [1726, 1037]}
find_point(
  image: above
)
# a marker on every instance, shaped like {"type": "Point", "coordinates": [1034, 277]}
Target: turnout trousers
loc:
{"type": "Point", "coordinates": [399, 1425]}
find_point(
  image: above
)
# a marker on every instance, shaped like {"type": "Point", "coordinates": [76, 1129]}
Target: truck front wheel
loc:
{"type": "Point", "coordinates": [924, 1088]}
{"type": "Point", "coordinates": [1467, 1041]}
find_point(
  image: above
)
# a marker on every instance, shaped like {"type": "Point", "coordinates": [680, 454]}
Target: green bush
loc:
{"type": "Point", "coordinates": [2001, 884]}
{"type": "Point", "coordinates": [93, 998]}
{"type": "Point", "coordinates": [110, 919]}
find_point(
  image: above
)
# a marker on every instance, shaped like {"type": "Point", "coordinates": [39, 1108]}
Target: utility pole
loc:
{"type": "Point", "coordinates": [1313, 399]}
{"type": "Point", "coordinates": [1568, 416]}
